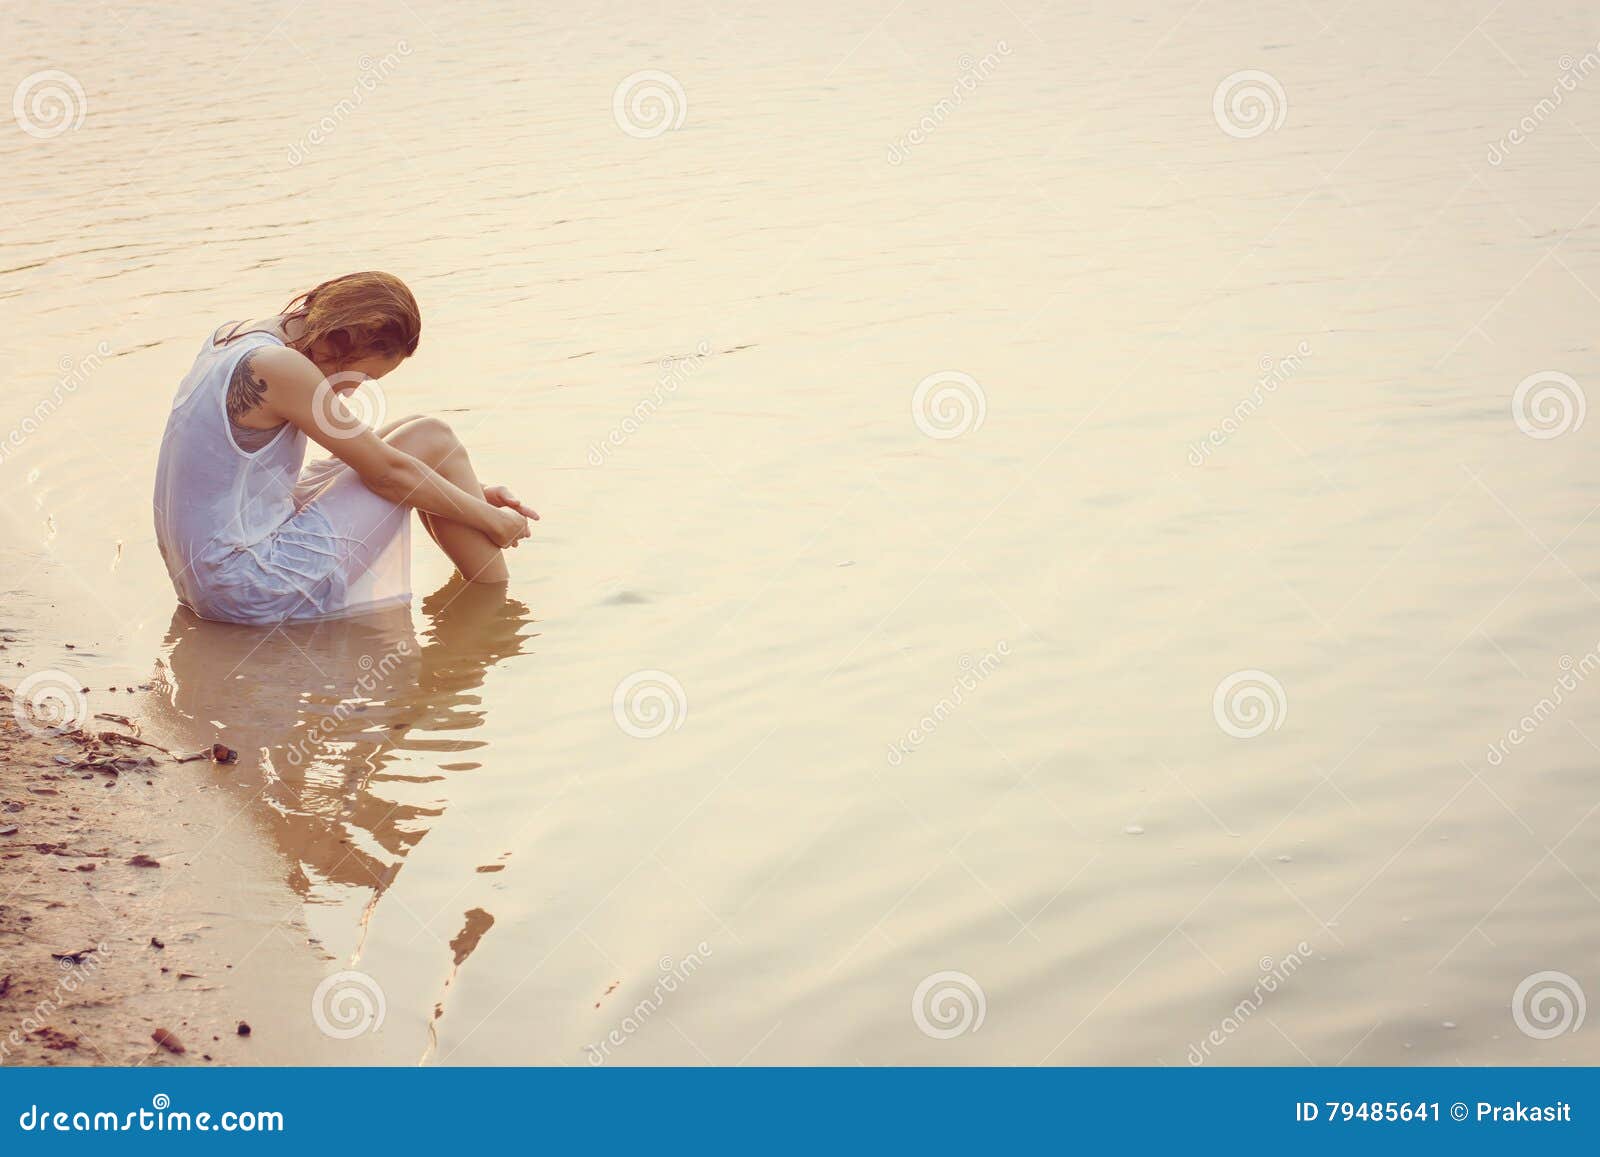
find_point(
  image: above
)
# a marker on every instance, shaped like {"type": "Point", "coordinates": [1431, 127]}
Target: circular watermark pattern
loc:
{"type": "Point", "coordinates": [1249, 703]}
{"type": "Point", "coordinates": [649, 703]}
{"type": "Point", "coordinates": [1547, 1004]}
{"type": "Point", "coordinates": [49, 703]}
{"type": "Point", "coordinates": [948, 404]}
{"type": "Point", "coordinates": [348, 1004]}
{"type": "Point", "coordinates": [348, 403]}
{"type": "Point", "coordinates": [49, 103]}
{"type": "Point", "coordinates": [1249, 103]}
{"type": "Point", "coordinates": [948, 1004]}
{"type": "Point", "coordinates": [1548, 404]}
{"type": "Point", "coordinates": [649, 103]}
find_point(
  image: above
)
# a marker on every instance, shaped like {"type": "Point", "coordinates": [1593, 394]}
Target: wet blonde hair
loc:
{"type": "Point", "coordinates": [357, 314]}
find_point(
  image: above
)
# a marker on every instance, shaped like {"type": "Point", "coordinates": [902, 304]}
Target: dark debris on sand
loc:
{"type": "Point", "coordinates": [71, 958]}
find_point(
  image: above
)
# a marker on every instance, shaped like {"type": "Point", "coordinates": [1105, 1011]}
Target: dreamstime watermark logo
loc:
{"type": "Point", "coordinates": [1249, 703]}
{"type": "Point", "coordinates": [75, 373]}
{"type": "Point", "coordinates": [973, 672]}
{"type": "Point", "coordinates": [1249, 103]}
{"type": "Point", "coordinates": [156, 1119]}
{"type": "Point", "coordinates": [649, 703]}
{"type": "Point", "coordinates": [373, 674]}
{"type": "Point", "coordinates": [347, 404]}
{"type": "Point", "coordinates": [75, 970]}
{"type": "Point", "coordinates": [1274, 974]}
{"type": "Point", "coordinates": [373, 71]}
{"type": "Point", "coordinates": [1574, 672]}
{"type": "Point", "coordinates": [49, 103]}
{"type": "Point", "coordinates": [1573, 73]}
{"type": "Point", "coordinates": [49, 703]}
{"type": "Point", "coordinates": [347, 1005]}
{"type": "Point", "coordinates": [948, 404]}
{"type": "Point", "coordinates": [649, 103]}
{"type": "Point", "coordinates": [1547, 1004]}
{"type": "Point", "coordinates": [671, 974]}
{"type": "Point", "coordinates": [1548, 404]}
{"type": "Point", "coordinates": [674, 372]}
{"type": "Point", "coordinates": [973, 74]}
{"type": "Point", "coordinates": [1273, 375]}
{"type": "Point", "coordinates": [948, 1004]}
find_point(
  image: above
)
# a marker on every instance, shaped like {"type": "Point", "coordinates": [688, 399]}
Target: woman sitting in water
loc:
{"type": "Point", "coordinates": [252, 535]}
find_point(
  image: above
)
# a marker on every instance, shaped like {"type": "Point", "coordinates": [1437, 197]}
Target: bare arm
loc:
{"type": "Point", "coordinates": [289, 387]}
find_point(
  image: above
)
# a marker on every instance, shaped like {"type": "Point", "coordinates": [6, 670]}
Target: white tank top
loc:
{"type": "Point", "coordinates": [212, 499]}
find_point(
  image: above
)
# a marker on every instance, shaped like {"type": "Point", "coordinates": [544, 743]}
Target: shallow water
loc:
{"type": "Point", "coordinates": [947, 703]}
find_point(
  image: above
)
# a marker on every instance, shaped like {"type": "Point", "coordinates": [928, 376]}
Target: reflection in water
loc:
{"type": "Point", "coordinates": [478, 922]}
{"type": "Point", "coordinates": [342, 726]}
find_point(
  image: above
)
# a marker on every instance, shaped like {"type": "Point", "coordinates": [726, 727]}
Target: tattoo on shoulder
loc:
{"type": "Point", "coordinates": [245, 389]}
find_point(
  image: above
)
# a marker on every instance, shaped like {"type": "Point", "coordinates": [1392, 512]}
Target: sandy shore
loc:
{"type": "Point", "coordinates": [139, 923]}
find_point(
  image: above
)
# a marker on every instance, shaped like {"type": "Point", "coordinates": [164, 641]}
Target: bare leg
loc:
{"type": "Point", "coordinates": [432, 441]}
{"type": "Point", "coordinates": [390, 427]}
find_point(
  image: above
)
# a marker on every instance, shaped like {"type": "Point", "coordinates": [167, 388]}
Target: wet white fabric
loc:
{"type": "Point", "coordinates": [253, 537]}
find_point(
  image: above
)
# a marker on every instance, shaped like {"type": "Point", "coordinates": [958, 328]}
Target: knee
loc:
{"type": "Point", "coordinates": [430, 439]}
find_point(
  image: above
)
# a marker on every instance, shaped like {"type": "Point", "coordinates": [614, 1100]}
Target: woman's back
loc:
{"type": "Point", "coordinates": [212, 499]}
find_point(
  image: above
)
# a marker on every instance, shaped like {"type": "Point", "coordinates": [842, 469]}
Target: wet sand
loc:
{"type": "Point", "coordinates": [134, 909]}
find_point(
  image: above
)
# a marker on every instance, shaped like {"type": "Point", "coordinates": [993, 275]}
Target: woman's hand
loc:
{"type": "Point", "coordinates": [508, 527]}
{"type": "Point", "coordinates": [297, 392]}
{"type": "Point", "coordinates": [502, 496]}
